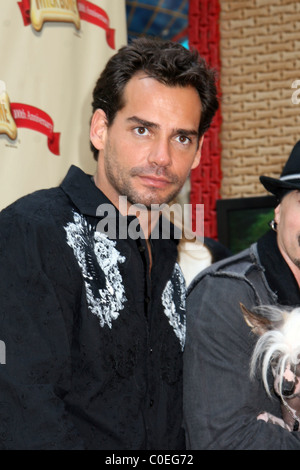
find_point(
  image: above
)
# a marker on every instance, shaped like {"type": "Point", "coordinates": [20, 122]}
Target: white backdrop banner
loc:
{"type": "Point", "coordinates": [52, 52]}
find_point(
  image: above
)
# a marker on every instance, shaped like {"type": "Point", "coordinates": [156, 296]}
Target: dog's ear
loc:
{"type": "Point", "coordinates": [257, 323]}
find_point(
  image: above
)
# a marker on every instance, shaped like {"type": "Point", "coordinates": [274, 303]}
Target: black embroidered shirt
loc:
{"type": "Point", "coordinates": [93, 343]}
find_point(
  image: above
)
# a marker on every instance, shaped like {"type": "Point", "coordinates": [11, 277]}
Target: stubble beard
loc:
{"type": "Point", "coordinates": [296, 261]}
{"type": "Point", "coordinates": [122, 183]}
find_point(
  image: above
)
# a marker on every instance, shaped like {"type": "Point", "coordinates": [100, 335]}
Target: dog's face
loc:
{"type": "Point", "coordinates": [287, 384]}
{"type": "Point", "coordinates": [278, 344]}
{"type": "Point", "coordinates": [287, 387]}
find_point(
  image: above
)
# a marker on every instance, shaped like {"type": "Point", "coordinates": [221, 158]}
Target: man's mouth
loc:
{"type": "Point", "coordinates": [155, 181]}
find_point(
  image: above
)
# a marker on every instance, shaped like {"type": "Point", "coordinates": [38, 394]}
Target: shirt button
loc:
{"type": "Point", "coordinates": [147, 300]}
{"type": "Point", "coordinates": [151, 403]}
{"type": "Point", "coordinates": [142, 249]}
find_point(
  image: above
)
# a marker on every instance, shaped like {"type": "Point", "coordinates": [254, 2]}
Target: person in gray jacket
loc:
{"type": "Point", "coordinates": [221, 402]}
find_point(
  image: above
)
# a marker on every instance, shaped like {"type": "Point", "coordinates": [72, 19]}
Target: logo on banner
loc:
{"type": "Point", "coordinates": [14, 115]}
{"type": "Point", "coordinates": [37, 12]}
{"type": "Point", "coordinates": [7, 122]}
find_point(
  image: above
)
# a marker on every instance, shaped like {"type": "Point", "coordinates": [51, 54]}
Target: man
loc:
{"type": "Point", "coordinates": [92, 304]}
{"type": "Point", "coordinates": [221, 403]}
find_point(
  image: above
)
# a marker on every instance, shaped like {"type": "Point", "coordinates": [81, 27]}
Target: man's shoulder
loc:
{"type": "Point", "coordinates": [236, 266]}
{"type": "Point", "coordinates": [40, 205]}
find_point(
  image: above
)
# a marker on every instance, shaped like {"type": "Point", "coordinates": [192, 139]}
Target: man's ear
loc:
{"type": "Point", "coordinates": [198, 154]}
{"type": "Point", "coordinates": [277, 211]}
{"type": "Point", "coordinates": [98, 129]}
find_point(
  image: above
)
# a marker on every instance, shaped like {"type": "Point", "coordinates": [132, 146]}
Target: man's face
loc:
{"type": "Point", "coordinates": [287, 217]}
{"type": "Point", "coordinates": [152, 144]}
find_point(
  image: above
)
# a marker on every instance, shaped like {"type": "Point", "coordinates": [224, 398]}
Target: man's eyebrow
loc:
{"type": "Point", "coordinates": [143, 123]}
{"type": "Point", "coordinates": [188, 132]}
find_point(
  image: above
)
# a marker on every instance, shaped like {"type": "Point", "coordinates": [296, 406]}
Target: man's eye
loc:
{"type": "Point", "coordinates": [183, 139]}
{"type": "Point", "coordinates": [141, 130]}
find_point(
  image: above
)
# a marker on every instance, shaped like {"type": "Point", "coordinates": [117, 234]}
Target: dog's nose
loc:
{"type": "Point", "coordinates": [288, 387]}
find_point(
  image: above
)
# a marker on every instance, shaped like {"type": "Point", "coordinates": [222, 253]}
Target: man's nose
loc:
{"type": "Point", "coordinates": [160, 153]}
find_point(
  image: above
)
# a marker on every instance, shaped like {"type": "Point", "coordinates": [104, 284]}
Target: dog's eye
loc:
{"type": "Point", "coordinates": [274, 363]}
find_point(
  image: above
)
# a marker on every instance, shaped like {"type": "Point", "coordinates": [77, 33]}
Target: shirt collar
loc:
{"type": "Point", "coordinates": [82, 191]}
{"type": "Point", "coordinates": [278, 274]}
{"type": "Point", "coordinates": [86, 197]}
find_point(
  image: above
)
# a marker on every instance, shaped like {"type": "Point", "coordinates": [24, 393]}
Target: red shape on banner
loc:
{"type": "Point", "coordinates": [33, 118]}
{"type": "Point", "coordinates": [206, 178]}
{"type": "Point", "coordinates": [96, 15]}
{"type": "Point", "coordinates": [24, 6]}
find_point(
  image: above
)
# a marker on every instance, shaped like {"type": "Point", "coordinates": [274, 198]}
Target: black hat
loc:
{"type": "Point", "coordinates": [290, 176]}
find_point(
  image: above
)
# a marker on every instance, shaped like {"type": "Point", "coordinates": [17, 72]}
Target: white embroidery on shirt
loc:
{"type": "Point", "coordinates": [107, 302]}
{"type": "Point", "coordinates": [174, 287]}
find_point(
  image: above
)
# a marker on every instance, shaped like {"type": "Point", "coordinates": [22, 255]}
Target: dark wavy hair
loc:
{"type": "Point", "coordinates": [168, 62]}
